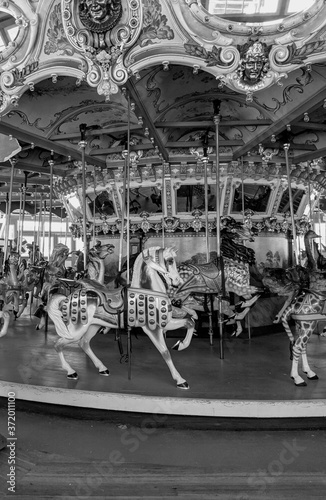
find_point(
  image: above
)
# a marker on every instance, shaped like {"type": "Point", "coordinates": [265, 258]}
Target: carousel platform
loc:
{"type": "Point", "coordinates": [252, 380]}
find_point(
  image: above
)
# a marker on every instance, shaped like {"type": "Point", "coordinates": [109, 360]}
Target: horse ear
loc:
{"type": "Point", "coordinates": [146, 257]}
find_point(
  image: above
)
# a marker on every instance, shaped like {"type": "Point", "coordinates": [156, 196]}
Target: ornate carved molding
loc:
{"type": "Point", "coordinates": [14, 67]}
{"type": "Point", "coordinates": [103, 38]}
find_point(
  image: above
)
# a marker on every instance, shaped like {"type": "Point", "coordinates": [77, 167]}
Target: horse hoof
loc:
{"type": "Point", "coordinates": [299, 384]}
{"type": "Point", "coordinates": [184, 385]}
{"type": "Point", "coordinates": [315, 377]}
{"type": "Point", "coordinates": [72, 376]}
{"type": "Point", "coordinates": [37, 327]}
{"type": "Point", "coordinates": [106, 373]}
{"type": "Point", "coordinates": [176, 346]}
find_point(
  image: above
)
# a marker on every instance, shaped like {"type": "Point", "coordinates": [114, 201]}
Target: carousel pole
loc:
{"type": "Point", "coordinates": [82, 144]}
{"type": "Point", "coordinates": [33, 257]}
{"type": "Point", "coordinates": [20, 218]}
{"type": "Point", "coordinates": [162, 201]}
{"type": "Point", "coordinates": [128, 233]}
{"type": "Point", "coordinates": [211, 297]}
{"type": "Point", "coordinates": [24, 189]}
{"type": "Point", "coordinates": [94, 213]}
{"type": "Point", "coordinates": [123, 208]}
{"type": "Point", "coordinates": [13, 162]}
{"type": "Point", "coordinates": [34, 230]}
{"type": "Point", "coordinates": [243, 221]}
{"type": "Point", "coordinates": [43, 228]}
{"type": "Point", "coordinates": [217, 119]}
{"type": "Point", "coordinates": [286, 148]}
{"type": "Point", "coordinates": [39, 225]}
{"type": "Point", "coordinates": [205, 162]}
{"type": "Point", "coordinates": [51, 163]}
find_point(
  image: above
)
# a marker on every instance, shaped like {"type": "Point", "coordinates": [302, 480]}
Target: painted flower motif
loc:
{"type": "Point", "coordinates": [154, 25]}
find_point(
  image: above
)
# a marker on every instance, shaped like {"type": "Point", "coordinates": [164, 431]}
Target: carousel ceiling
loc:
{"type": "Point", "coordinates": [164, 87]}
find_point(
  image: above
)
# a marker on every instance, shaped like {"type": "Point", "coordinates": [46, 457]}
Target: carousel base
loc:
{"type": "Point", "coordinates": [251, 381]}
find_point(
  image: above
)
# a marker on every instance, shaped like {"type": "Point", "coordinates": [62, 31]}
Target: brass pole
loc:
{"type": "Point", "coordinates": [24, 188]}
{"type": "Point", "coordinates": [162, 203]}
{"type": "Point", "coordinates": [128, 193]}
{"type": "Point", "coordinates": [34, 229]}
{"type": "Point", "coordinates": [123, 208]}
{"type": "Point", "coordinates": [20, 219]}
{"type": "Point", "coordinates": [39, 227]}
{"type": "Point", "coordinates": [43, 228]}
{"type": "Point", "coordinates": [13, 162]}
{"type": "Point", "coordinates": [51, 163]}
{"type": "Point", "coordinates": [82, 144]}
{"type": "Point", "coordinates": [205, 162]}
{"type": "Point", "coordinates": [217, 119]}
{"type": "Point", "coordinates": [294, 233]}
{"type": "Point", "coordinates": [128, 234]}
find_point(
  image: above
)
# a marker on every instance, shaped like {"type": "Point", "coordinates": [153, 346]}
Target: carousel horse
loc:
{"type": "Point", "coordinates": [201, 279]}
{"type": "Point", "coordinates": [16, 284]}
{"type": "Point", "coordinates": [290, 282]}
{"type": "Point", "coordinates": [95, 269]}
{"type": "Point", "coordinates": [145, 304]}
{"type": "Point", "coordinates": [53, 271]}
{"type": "Point", "coordinates": [306, 310]}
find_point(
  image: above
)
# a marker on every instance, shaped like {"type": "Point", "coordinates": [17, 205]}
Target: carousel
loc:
{"type": "Point", "coordinates": [162, 197]}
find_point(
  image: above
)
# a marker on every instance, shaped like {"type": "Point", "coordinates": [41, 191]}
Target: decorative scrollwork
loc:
{"type": "Point", "coordinates": [103, 31]}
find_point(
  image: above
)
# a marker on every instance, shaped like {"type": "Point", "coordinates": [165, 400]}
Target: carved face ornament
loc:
{"type": "Point", "coordinates": [253, 63]}
{"type": "Point", "coordinates": [100, 15]}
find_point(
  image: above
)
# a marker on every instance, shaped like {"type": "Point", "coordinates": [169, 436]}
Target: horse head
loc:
{"type": "Point", "coordinates": [157, 259]}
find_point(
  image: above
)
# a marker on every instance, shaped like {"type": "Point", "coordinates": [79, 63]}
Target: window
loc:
{"type": "Point", "coordinates": [145, 199]}
{"type": "Point", "coordinates": [253, 197]}
{"type": "Point", "coordinates": [297, 195]}
{"type": "Point", "coordinates": [251, 11]}
{"type": "Point", "coordinates": [8, 29]}
{"type": "Point", "coordinates": [192, 196]}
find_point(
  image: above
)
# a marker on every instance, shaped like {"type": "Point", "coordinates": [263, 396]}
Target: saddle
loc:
{"type": "Point", "coordinates": [206, 275]}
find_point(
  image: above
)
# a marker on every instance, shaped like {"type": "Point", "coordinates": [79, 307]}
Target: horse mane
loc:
{"type": "Point", "coordinates": [138, 263]}
{"type": "Point", "coordinates": [151, 253]}
{"type": "Point", "coordinates": [56, 256]}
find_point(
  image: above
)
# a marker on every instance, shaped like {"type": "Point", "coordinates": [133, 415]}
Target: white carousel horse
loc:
{"type": "Point", "coordinates": [306, 310]}
{"type": "Point", "coordinates": [78, 317]}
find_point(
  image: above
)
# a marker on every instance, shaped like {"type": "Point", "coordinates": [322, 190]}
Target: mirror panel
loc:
{"type": "Point", "coordinates": [192, 196]}
{"type": "Point", "coordinates": [254, 197]}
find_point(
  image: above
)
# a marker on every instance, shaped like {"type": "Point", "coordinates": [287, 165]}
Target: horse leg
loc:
{"type": "Point", "coordinates": [42, 322]}
{"type": "Point", "coordinates": [23, 305]}
{"type": "Point", "coordinates": [59, 345]}
{"type": "Point", "coordinates": [188, 323]}
{"type": "Point", "coordinates": [311, 375]}
{"type": "Point", "coordinates": [297, 351]}
{"type": "Point", "coordinates": [157, 337]}
{"type": "Point", "coordinates": [85, 345]}
{"type": "Point", "coordinates": [6, 319]}
{"type": "Point", "coordinates": [239, 328]}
